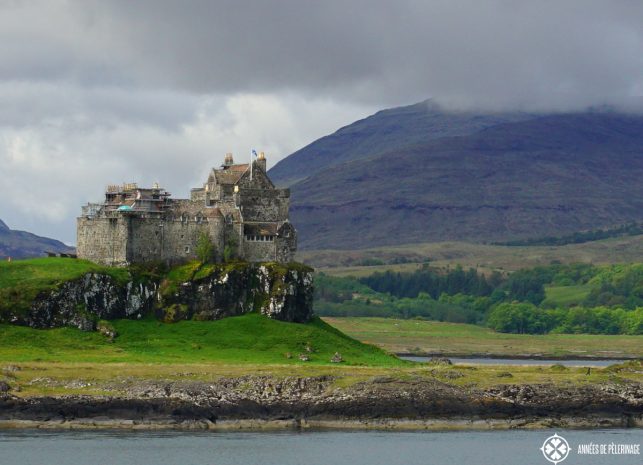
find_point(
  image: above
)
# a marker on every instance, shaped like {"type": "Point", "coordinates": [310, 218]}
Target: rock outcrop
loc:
{"type": "Point", "coordinates": [380, 402]}
{"type": "Point", "coordinates": [277, 291]}
{"type": "Point", "coordinates": [282, 292]}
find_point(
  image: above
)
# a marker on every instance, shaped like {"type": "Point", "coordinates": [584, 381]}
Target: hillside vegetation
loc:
{"type": "Point", "coordinates": [423, 174]}
{"type": "Point", "coordinates": [552, 299]}
{"type": "Point", "coordinates": [486, 257]}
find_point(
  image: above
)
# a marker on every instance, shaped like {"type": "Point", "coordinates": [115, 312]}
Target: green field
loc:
{"type": "Point", "coordinates": [564, 296]}
{"type": "Point", "coordinates": [250, 338]}
{"type": "Point", "coordinates": [418, 336]}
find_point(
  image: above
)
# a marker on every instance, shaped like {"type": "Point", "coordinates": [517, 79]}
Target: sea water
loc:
{"type": "Point", "coordinates": [37, 447]}
{"type": "Point", "coordinates": [520, 361]}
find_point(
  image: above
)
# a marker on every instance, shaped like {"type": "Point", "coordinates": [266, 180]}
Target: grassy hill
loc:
{"type": "Point", "coordinates": [22, 280]}
{"type": "Point", "coordinates": [245, 339]}
{"type": "Point", "coordinates": [394, 178]}
{"type": "Point", "coordinates": [251, 338]}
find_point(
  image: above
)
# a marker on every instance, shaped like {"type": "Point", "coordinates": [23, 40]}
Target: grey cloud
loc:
{"type": "Point", "coordinates": [489, 52]}
{"type": "Point", "coordinates": [505, 53]}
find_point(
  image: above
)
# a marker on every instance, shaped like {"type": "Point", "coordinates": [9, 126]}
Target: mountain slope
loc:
{"type": "Point", "coordinates": [384, 131]}
{"type": "Point", "coordinates": [546, 175]}
{"type": "Point", "coordinates": [22, 244]}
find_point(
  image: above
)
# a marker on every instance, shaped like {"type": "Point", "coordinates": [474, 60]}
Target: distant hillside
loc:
{"type": "Point", "coordinates": [504, 177]}
{"type": "Point", "coordinates": [22, 244]}
{"type": "Point", "coordinates": [384, 131]}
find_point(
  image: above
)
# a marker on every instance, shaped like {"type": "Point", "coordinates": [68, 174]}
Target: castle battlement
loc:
{"type": "Point", "coordinates": [238, 207]}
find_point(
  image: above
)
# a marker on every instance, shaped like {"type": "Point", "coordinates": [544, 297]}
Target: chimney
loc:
{"type": "Point", "coordinates": [228, 159]}
{"type": "Point", "coordinates": [261, 161]}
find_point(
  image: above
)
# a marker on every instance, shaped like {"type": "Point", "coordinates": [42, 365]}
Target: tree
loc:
{"type": "Point", "coordinates": [231, 248]}
{"type": "Point", "coordinates": [205, 250]}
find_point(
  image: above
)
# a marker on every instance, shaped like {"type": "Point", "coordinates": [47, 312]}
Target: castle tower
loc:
{"type": "Point", "coordinates": [228, 161]}
{"type": "Point", "coordinates": [261, 161]}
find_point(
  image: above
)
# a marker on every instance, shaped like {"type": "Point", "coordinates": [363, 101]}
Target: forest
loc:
{"type": "Point", "coordinates": [558, 298]}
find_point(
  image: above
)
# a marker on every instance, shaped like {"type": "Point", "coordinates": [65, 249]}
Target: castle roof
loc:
{"type": "Point", "coordinates": [230, 174]}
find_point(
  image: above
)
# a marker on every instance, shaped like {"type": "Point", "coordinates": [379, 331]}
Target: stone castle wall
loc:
{"type": "Point", "coordinates": [145, 225]}
{"type": "Point", "coordinates": [103, 240]}
{"type": "Point", "coordinates": [262, 205]}
{"type": "Point", "coordinates": [173, 241]}
{"type": "Point", "coordinates": [125, 240]}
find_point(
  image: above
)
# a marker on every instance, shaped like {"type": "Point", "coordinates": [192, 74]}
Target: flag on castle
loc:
{"type": "Point", "coordinates": [253, 153]}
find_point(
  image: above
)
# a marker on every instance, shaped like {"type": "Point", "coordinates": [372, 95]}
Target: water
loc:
{"type": "Point", "coordinates": [33, 447]}
{"type": "Point", "coordinates": [517, 361]}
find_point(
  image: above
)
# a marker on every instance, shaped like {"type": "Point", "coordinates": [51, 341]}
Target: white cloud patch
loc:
{"type": "Point", "coordinates": [53, 162]}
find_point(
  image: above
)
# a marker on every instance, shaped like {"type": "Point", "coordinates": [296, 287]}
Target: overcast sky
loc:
{"type": "Point", "coordinates": [101, 92]}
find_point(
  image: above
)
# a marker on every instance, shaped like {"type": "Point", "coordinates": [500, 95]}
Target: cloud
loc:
{"type": "Point", "coordinates": [54, 162]}
{"type": "Point", "coordinates": [102, 91]}
{"type": "Point", "coordinates": [489, 53]}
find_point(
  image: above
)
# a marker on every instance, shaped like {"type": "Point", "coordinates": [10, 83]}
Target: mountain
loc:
{"type": "Point", "coordinates": [22, 244]}
{"type": "Point", "coordinates": [487, 178]}
{"type": "Point", "coordinates": [385, 131]}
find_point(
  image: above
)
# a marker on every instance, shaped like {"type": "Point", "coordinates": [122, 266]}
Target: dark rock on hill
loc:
{"type": "Point", "coordinates": [514, 176]}
{"type": "Point", "coordinates": [22, 244]}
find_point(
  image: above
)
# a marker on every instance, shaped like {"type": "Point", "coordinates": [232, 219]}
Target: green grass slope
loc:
{"type": "Point", "coordinates": [250, 338]}
{"type": "Point", "coordinates": [22, 280]}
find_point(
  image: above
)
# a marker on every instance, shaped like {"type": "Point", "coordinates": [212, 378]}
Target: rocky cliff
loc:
{"type": "Point", "coordinates": [282, 292]}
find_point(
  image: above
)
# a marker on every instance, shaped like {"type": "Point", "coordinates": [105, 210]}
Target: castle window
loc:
{"type": "Point", "coordinates": [187, 249]}
{"type": "Point", "coordinates": [182, 236]}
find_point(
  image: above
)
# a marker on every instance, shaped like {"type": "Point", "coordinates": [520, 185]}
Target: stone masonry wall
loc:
{"type": "Point", "coordinates": [172, 241]}
{"type": "Point", "coordinates": [260, 251]}
{"type": "Point", "coordinates": [258, 205]}
{"type": "Point", "coordinates": [103, 240]}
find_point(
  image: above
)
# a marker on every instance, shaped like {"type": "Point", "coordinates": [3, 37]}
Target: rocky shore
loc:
{"type": "Point", "coordinates": [264, 402]}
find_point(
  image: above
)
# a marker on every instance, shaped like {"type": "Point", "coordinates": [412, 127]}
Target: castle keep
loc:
{"type": "Point", "coordinates": [238, 207]}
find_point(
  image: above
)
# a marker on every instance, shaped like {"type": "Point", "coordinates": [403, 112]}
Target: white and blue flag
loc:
{"type": "Point", "coordinates": [254, 152]}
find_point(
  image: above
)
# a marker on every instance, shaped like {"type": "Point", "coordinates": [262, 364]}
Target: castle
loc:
{"type": "Point", "coordinates": [238, 208]}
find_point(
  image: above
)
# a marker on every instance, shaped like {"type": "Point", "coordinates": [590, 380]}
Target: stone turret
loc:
{"type": "Point", "coordinates": [228, 160]}
{"type": "Point", "coordinates": [261, 161]}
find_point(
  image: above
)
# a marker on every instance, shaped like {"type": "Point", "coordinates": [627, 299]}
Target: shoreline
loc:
{"type": "Point", "coordinates": [380, 424]}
